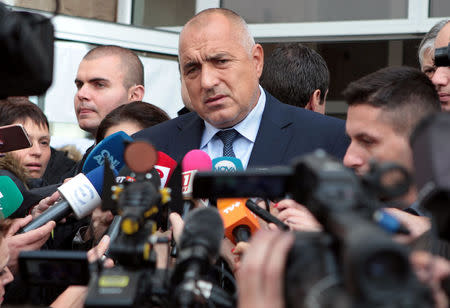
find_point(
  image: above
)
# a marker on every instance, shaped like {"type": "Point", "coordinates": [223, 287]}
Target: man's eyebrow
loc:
{"type": "Point", "coordinates": [189, 64]}
{"type": "Point", "coordinates": [95, 79]}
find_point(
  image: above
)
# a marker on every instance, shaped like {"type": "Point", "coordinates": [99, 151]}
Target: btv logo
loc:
{"type": "Point", "coordinates": [231, 207]}
{"type": "Point", "coordinates": [225, 166]}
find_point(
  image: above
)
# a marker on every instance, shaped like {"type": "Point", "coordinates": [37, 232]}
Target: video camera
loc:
{"type": "Point", "coordinates": [135, 281]}
{"type": "Point", "coordinates": [354, 261]}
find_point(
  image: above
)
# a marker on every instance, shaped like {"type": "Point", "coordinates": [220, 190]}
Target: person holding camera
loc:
{"type": "Point", "coordinates": [441, 77]}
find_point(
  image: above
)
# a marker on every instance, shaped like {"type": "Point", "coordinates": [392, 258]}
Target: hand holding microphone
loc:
{"type": "Point", "coordinates": [81, 197]}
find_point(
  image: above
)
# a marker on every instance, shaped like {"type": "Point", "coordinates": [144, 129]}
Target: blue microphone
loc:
{"type": "Point", "coordinates": [112, 147]}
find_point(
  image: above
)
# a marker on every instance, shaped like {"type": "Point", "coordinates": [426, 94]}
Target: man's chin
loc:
{"type": "Point", "coordinates": [88, 126]}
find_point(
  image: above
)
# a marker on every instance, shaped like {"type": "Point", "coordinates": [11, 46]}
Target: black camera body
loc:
{"type": "Point", "coordinates": [354, 261]}
{"type": "Point", "coordinates": [442, 56]}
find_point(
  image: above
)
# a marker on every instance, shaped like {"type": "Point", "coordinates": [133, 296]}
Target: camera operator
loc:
{"type": "Point", "coordinates": [384, 107]}
{"type": "Point", "coordinates": [441, 77]}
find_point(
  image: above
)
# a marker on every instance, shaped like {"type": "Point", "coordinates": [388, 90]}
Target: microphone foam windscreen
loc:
{"type": "Point", "coordinates": [165, 167]}
{"type": "Point", "coordinates": [10, 196]}
{"type": "Point", "coordinates": [203, 227]}
{"type": "Point", "coordinates": [196, 160]}
{"type": "Point", "coordinates": [96, 178]}
{"type": "Point", "coordinates": [113, 147]}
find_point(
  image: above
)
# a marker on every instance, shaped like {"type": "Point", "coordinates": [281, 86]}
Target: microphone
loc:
{"type": "Point", "coordinates": [165, 167]}
{"type": "Point", "coordinates": [227, 164]}
{"type": "Point", "coordinates": [239, 221]}
{"type": "Point", "coordinates": [112, 147]}
{"type": "Point", "coordinates": [193, 161]}
{"type": "Point", "coordinates": [81, 195]}
{"type": "Point", "coordinates": [199, 248]}
{"type": "Point", "coordinates": [10, 196]}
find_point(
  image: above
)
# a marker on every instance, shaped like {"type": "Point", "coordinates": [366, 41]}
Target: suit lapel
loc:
{"type": "Point", "coordinates": [190, 135]}
{"type": "Point", "coordinates": [273, 136]}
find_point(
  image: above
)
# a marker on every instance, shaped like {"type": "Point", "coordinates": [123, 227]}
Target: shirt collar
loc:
{"type": "Point", "coordinates": [248, 127]}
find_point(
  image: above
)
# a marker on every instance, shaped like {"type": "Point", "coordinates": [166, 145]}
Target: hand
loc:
{"type": "Point", "coordinates": [177, 226]}
{"type": "Point", "coordinates": [226, 252]}
{"type": "Point", "coordinates": [31, 240]}
{"type": "Point", "coordinates": [44, 204]}
{"type": "Point", "coordinates": [432, 270]}
{"type": "Point", "coordinates": [297, 216]}
{"type": "Point", "coordinates": [239, 251]}
{"type": "Point", "coordinates": [416, 225]}
{"type": "Point", "coordinates": [162, 250]}
{"type": "Point", "coordinates": [100, 221]}
{"type": "Point", "coordinates": [97, 252]}
{"type": "Point", "coordinates": [261, 274]}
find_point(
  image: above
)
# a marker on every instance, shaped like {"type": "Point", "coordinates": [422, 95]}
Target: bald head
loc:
{"type": "Point", "coordinates": [240, 28]}
{"type": "Point", "coordinates": [130, 62]}
{"type": "Point", "coordinates": [220, 65]}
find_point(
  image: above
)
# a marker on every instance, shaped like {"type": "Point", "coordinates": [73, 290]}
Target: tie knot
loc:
{"type": "Point", "coordinates": [227, 137]}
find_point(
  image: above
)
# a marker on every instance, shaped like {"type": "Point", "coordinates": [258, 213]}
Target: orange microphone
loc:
{"type": "Point", "coordinates": [238, 220]}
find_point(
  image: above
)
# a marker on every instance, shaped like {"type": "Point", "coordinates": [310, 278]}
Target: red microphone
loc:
{"type": "Point", "coordinates": [165, 167]}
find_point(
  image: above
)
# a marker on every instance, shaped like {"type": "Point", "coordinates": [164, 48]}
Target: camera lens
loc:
{"type": "Point", "coordinates": [387, 270]}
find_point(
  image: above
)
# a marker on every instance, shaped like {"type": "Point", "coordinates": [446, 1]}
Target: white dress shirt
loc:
{"type": "Point", "coordinates": [243, 144]}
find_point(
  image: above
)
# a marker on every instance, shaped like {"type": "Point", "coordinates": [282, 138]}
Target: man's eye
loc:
{"type": "Point", "coordinates": [367, 141]}
{"type": "Point", "coordinates": [99, 85]}
{"type": "Point", "coordinates": [222, 61]}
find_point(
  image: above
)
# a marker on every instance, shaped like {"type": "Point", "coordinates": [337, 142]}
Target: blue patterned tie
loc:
{"type": "Point", "coordinates": [227, 137]}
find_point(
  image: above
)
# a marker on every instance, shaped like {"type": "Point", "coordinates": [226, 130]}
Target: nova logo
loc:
{"type": "Point", "coordinates": [225, 166]}
{"type": "Point", "coordinates": [231, 207]}
{"type": "Point", "coordinates": [100, 158]}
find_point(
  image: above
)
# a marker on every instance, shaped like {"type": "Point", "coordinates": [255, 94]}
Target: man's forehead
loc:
{"type": "Point", "coordinates": [443, 37]}
{"type": "Point", "coordinates": [214, 27]}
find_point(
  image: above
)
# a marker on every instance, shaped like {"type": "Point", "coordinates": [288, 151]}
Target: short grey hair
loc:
{"type": "Point", "coordinates": [427, 43]}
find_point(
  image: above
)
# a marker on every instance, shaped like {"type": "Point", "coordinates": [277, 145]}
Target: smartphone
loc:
{"type": "Point", "coordinates": [265, 183]}
{"type": "Point", "coordinates": [53, 267]}
{"type": "Point", "coordinates": [13, 137]}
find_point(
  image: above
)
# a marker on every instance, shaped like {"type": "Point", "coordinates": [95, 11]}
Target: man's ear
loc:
{"type": "Point", "coordinates": [258, 58]}
{"type": "Point", "coordinates": [314, 101]}
{"type": "Point", "coordinates": [136, 93]}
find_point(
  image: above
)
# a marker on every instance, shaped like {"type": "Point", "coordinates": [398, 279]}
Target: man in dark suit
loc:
{"type": "Point", "coordinates": [220, 65]}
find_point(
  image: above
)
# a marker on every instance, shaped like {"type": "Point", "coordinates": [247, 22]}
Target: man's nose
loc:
{"type": "Point", "coordinates": [209, 77]}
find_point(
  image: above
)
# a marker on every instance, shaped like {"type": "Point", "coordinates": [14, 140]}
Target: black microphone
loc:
{"type": "Point", "coordinates": [198, 249]}
{"type": "Point", "coordinates": [81, 195]}
{"type": "Point", "coordinates": [265, 215]}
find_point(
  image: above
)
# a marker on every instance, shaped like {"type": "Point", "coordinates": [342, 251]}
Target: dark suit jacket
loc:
{"type": "Point", "coordinates": [285, 132]}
